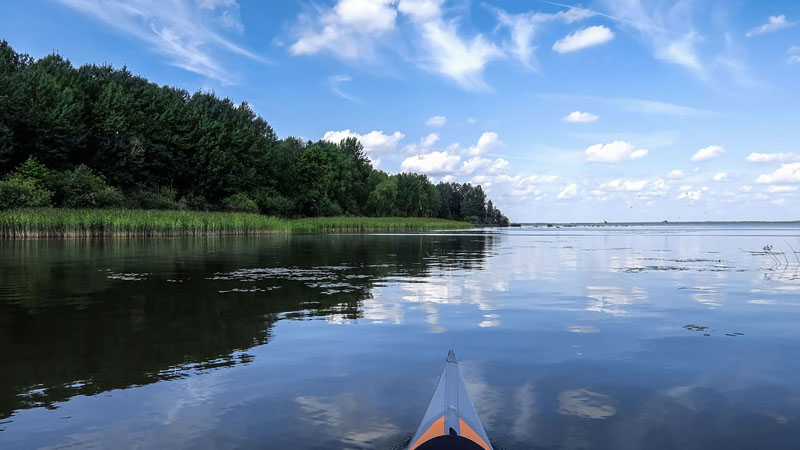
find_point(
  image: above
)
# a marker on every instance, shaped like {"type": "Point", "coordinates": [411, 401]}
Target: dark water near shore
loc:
{"type": "Point", "coordinates": [572, 338]}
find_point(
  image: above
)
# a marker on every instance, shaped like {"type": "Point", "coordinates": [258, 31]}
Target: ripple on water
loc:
{"type": "Point", "coordinates": [131, 276]}
{"type": "Point", "coordinates": [253, 289]}
{"type": "Point", "coordinates": [314, 274]}
{"type": "Point", "coordinates": [329, 280]}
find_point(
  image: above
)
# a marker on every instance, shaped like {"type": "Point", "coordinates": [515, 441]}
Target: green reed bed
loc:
{"type": "Point", "coordinates": [25, 223]}
{"type": "Point", "coordinates": [121, 222]}
{"type": "Point", "coordinates": [359, 224]}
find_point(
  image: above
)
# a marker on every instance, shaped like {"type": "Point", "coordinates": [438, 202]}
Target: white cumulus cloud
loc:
{"type": "Point", "coordinates": [772, 157]}
{"type": "Point", "coordinates": [375, 142]}
{"type": "Point", "coordinates": [436, 121]}
{"type": "Point", "coordinates": [367, 15]}
{"type": "Point", "coordinates": [720, 176]}
{"type": "Point", "coordinates": [675, 174]}
{"type": "Point", "coordinates": [353, 29]}
{"type": "Point", "coordinates": [624, 185]}
{"type": "Point", "coordinates": [498, 165]}
{"type": "Point", "coordinates": [425, 145]}
{"type": "Point", "coordinates": [569, 191]}
{"type": "Point", "coordinates": [486, 143]}
{"type": "Point", "coordinates": [434, 163]}
{"type": "Point", "coordinates": [706, 153]}
{"type": "Point", "coordinates": [348, 29]}
{"type": "Point", "coordinates": [523, 27]}
{"type": "Point", "coordinates": [586, 37]}
{"type": "Point", "coordinates": [614, 152]}
{"type": "Point", "coordinates": [421, 10]}
{"type": "Point", "coordinates": [788, 173]}
{"type": "Point", "coordinates": [794, 54]}
{"type": "Point", "coordinates": [780, 189]}
{"type": "Point", "coordinates": [774, 23]}
{"type": "Point", "coordinates": [469, 166]}
{"type": "Point", "coordinates": [521, 181]}
{"type": "Point", "coordinates": [579, 117]}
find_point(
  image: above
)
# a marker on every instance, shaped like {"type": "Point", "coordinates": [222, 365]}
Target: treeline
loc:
{"type": "Point", "coordinates": [99, 137]}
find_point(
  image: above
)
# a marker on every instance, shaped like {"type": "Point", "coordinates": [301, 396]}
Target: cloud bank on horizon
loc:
{"type": "Point", "coordinates": [603, 110]}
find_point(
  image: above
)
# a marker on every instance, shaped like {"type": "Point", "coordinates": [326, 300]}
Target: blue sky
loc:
{"type": "Point", "coordinates": [604, 110]}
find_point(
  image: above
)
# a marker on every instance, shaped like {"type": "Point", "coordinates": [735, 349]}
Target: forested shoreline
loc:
{"type": "Point", "coordinates": [99, 137]}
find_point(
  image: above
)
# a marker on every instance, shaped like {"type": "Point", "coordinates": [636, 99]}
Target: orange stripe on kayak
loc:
{"type": "Point", "coordinates": [470, 434]}
{"type": "Point", "coordinates": [436, 429]}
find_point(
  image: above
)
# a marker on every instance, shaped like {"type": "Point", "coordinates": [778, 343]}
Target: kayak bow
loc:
{"type": "Point", "coordinates": [450, 421]}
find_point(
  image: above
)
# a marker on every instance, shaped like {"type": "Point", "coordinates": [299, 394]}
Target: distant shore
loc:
{"type": "Point", "coordinates": [69, 223]}
{"type": "Point", "coordinates": [662, 223]}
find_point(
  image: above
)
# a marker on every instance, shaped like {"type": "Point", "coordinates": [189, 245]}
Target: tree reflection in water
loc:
{"type": "Point", "coordinates": [80, 317]}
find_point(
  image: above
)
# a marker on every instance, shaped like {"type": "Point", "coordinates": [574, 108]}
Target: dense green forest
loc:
{"type": "Point", "coordinates": [99, 137]}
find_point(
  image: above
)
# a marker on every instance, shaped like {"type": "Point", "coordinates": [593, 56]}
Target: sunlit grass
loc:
{"type": "Point", "coordinates": [121, 222]}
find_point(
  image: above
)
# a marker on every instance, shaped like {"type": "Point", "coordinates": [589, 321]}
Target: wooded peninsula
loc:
{"type": "Point", "coordinates": [96, 137]}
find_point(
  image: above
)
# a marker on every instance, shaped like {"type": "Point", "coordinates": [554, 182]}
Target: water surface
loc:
{"type": "Point", "coordinates": [675, 337]}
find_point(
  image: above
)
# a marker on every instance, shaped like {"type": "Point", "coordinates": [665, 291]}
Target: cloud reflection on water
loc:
{"type": "Point", "coordinates": [585, 403]}
{"type": "Point", "coordinates": [344, 419]}
{"type": "Point", "coordinates": [614, 299]}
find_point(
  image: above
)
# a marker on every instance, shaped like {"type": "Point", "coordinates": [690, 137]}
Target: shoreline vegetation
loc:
{"type": "Point", "coordinates": [96, 137]}
{"type": "Point", "coordinates": [86, 223]}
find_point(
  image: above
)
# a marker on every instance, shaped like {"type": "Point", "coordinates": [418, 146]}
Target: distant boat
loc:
{"type": "Point", "coordinates": [450, 421]}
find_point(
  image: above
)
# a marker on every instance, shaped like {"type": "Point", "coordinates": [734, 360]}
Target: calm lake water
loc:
{"type": "Point", "coordinates": [571, 338]}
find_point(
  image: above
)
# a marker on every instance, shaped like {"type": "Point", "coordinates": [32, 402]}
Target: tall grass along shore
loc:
{"type": "Point", "coordinates": [49, 222]}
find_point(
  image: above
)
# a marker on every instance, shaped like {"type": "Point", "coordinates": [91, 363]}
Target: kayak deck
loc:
{"type": "Point", "coordinates": [450, 422]}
